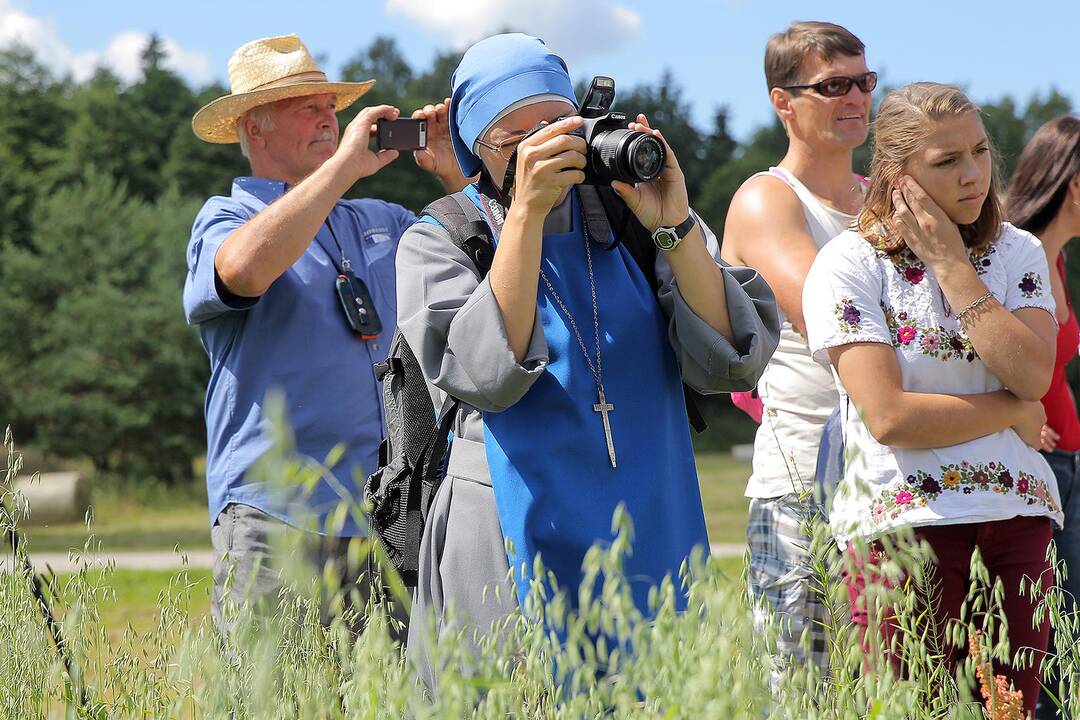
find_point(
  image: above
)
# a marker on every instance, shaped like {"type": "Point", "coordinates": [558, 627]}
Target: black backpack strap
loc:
{"type": "Point", "coordinates": [467, 228]}
{"type": "Point", "coordinates": [423, 484]}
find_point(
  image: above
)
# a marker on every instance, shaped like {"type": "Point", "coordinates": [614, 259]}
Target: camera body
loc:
{"type": "Point", "coordinates": [613, 151]}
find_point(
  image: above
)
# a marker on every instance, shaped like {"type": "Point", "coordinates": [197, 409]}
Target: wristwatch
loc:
{"type": "Point", "coordinates": [667, 238]}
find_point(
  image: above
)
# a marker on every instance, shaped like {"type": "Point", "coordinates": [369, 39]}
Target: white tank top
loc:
{"type": "Point", "coordinates": [797, 393]}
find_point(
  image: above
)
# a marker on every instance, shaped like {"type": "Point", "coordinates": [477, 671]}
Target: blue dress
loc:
{"type": "Point", "coordinates": [555, 489]}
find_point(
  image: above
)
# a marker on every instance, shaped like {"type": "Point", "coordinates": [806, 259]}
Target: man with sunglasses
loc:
{"type": "Point", "coordinates": [820, 88]}
{"type": "Point", "coordinates": [293, 290]}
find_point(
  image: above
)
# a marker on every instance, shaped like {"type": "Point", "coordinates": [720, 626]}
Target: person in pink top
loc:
{"type": "Point", "coordinates": [1044, 199]}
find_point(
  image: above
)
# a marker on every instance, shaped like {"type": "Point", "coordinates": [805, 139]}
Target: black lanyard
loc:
{"type": "Point", "coordinates": [357, 304]}
{"type": "Point", "coordinates": [344, 265]}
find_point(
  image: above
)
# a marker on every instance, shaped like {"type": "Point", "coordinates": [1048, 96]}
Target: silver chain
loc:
{"type": "Point", "coordinates": [598, 370]}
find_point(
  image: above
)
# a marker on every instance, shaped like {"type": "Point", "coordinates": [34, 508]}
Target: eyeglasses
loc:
{"type": "Point", "coordinates": [840, 85]}
{"type": "Point", "coordinates": [505, 148]}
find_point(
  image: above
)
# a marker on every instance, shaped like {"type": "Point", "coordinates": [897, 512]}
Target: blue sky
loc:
{"type": "Point", "coordinates": [715, 49]}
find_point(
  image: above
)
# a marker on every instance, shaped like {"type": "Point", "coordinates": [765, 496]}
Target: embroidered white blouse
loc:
{"type": "Point", "coordinates": [855, 293]}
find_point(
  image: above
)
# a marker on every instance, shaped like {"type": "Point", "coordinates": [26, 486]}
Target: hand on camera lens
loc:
{"type": "Point", "coordinates": [548, 163]}
{"type": "Point", "coordinates": [664, 202]}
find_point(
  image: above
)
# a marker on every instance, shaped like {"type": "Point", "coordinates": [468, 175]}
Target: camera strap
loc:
{"type": "Point", "coordinates": [508, 178]}
{"type": "Point", "coordinates": [592, 205]}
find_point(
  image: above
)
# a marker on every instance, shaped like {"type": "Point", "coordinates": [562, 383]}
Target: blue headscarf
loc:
{"type": "Point", "coordinates": [494, 74]}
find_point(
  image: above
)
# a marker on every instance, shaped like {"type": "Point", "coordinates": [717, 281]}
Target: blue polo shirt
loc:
{"type": "Point", "coordinates": [293, 339]}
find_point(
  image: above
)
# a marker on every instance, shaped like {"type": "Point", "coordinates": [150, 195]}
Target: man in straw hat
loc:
{"type": "Point", "coordinates": [293, 289]}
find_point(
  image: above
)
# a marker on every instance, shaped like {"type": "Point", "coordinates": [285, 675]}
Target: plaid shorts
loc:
{"type": "Point", "coordinates": [784, 592]}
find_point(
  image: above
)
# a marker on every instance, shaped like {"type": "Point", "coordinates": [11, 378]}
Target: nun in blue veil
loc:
{"type": "Point", "coordinates": [568, 365]}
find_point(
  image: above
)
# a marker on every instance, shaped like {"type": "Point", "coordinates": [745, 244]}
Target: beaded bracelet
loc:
{"type": "Point", "coordinates": [972, 305]}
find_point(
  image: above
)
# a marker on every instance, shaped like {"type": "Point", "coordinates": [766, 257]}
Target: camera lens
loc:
{"type": "Point", "coordinates": [627, 155]}
{"type": "Point", "coordinates": [645, 157]}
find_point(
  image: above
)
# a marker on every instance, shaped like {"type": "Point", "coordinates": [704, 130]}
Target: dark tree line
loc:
{"type": "Point", "coordinates": [99, 184]}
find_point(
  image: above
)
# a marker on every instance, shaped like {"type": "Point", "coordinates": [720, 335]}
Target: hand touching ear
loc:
{"type": "Point", "coordinates": [926, 229]}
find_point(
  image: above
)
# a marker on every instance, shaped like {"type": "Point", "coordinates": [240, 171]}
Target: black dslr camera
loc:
{"type": "Point", "coordinates": [615, 152]}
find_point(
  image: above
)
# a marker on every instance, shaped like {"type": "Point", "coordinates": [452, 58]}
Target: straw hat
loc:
{"type": "Point", "coordinates": [264, 71]}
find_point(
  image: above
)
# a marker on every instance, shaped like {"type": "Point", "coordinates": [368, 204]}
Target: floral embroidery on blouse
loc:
{"type": "Point", "coordinates": [921, 488]}
{"type": "Point", "coordinates": [1031, 285]}
{"type": "Point", "coordinates": [907, 265]}
{"type": "Point", "coordinates": [848, 315]}
{"type": "Point", "coordinates": [912, 269]}
{"type": "Point", "coordinates": [980, 257]}
{"type": "Point", "coordinates": [935, 342]}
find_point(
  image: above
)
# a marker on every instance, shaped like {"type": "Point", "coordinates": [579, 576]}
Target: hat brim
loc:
{"type": "Point", "coordinates": [216, 121]}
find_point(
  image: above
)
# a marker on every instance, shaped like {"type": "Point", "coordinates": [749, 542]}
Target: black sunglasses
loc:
{"type": "Point", "coordinates": [840, 85]}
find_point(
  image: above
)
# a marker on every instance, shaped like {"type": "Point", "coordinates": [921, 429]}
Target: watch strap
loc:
{"type": "Point", "coordinates": [684, 228]}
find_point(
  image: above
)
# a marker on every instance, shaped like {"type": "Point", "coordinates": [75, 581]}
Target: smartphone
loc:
{"type": "Point", "coordinates": [400, 134]}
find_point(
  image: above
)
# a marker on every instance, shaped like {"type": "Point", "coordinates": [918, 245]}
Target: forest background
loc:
{"type": "Point", "coordinates": [100, 181]}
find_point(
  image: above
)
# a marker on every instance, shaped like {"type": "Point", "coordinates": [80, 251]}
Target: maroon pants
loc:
{"type": "Point", "coordinates": [1010, 549]}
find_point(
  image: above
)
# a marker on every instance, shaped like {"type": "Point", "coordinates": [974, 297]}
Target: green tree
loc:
{"type": "Point", "coordinates": [766, 148]}
{"type": "Point", "coordinates": [163, 105]}
{"type": "Point", "coordinates": [383, 62]}
{"type": "Point", "coordinates": [1010, 127]}
{"type": "Point", "coordinates": [32, 120]}
{"type": "Point", "coordinates": [200, 169]}
{"type": "Point", "coordinates": [98, 360]}
{"type": "Point", "coordinates": [435, 82]}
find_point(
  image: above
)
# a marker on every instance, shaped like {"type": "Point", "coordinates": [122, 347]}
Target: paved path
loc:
{"type": "Point", "coordinates": [169, 560]}
{"type": "Point", "coordinates": [137, 560]}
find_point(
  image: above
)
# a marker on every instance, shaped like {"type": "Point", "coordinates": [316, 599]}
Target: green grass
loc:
{"type": "Point", "coordinates": [722, 482]}
{"type": "Point", "coordinates": [133, 518]}
{"type": "Point", "coordinates": [134, 600]}
{"type": "Point", "coordinates": [141, 645]}
{"type": "Point", "coordinates": [159, 518]}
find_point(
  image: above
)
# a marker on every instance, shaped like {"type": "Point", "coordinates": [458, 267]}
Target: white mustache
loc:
{"type": "Point", "coordinates": [324, 135]}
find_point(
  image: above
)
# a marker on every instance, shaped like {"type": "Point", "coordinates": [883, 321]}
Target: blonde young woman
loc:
{"type": "Point", "coordinates": [937, 320]}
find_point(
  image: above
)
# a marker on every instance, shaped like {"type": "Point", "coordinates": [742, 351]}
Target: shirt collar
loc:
{"type": "Point", "coordinates": [263, 189]}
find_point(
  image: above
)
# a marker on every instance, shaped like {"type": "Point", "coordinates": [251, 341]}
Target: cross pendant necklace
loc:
{"type": "Point", "coordinates": [603, 406]}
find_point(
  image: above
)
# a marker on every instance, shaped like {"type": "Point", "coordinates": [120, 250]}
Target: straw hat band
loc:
{"type": "Point", "coordinates": [303, 77]}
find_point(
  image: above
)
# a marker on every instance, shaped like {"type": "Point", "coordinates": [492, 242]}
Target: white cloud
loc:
{"type": "Point", "coordinates": [573, 28]}
{"type": "Point", "coordinates": [18, 27]}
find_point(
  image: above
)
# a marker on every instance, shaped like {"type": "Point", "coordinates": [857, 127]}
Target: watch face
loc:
{"type": "Point", "coordinates": [665, 238]}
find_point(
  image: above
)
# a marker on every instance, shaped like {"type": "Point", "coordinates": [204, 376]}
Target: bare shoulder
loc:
{"type": "Point", "coordinates": [764, 197]}
{"type": "Point", "coordinates": [764, 208]}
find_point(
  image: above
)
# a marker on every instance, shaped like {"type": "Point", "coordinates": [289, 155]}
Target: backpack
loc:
{"type": "Point", "coordinates": [413, 455]}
